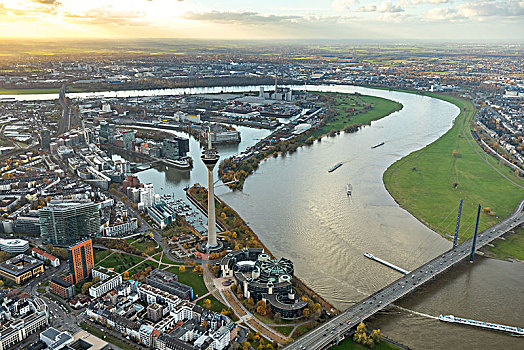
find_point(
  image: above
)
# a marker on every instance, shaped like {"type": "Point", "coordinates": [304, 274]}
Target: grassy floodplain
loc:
{"type": "Point", "coordinates": [381, 108]}
{"type": "Point", "coordinates": [349, 344]}
{"type": "Point", "coordinates": [36, 91]}
{"type": "Point", "coordinates": [429, 183]}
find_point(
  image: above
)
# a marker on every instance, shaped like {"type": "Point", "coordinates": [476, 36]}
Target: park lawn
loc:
{"type": "Point", "coordinates": [300, 331]}
{"type": "Point", "coordinates": [36, 91]}
{"type": "Point", "coordinates": [349, 344]}
{"type": "Point", "coordinates": [511, 247]}
{"type": "Point", "coordinates": [192, 279]}
{"type": "Point", "coordinates": [121, 262]}
{"type": "Point", "coordinates": [422, 182]}
{"type": "Point", "coordinates": [142, 266]}
{"type": "Point", "coordinates": [106, 336]}
{"type": "Point", "coordinates": [166, 260]}
{"type": "Point", "coordinates": [147, 246]}
{"type": "Point", "coordinates": [285, 330]}
{"type": "Point", "coordinates": [101, 254]}
{"type": "Point", "coordinates": [216, 305]}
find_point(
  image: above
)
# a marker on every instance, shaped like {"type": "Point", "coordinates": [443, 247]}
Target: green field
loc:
{"type": "Point", "coordinates": [349, 344]}
{"type": "Point", "coordinates": [381, 108]}
{"type": "Point", "coordinates": [512, 247]}
{"type": "Point", "coordinates": [189, 278]}
{"type": "Point", "coordinates": [121, 262]}
{"type": "Point", "coordinates": [36, 91]}
{"type": "Point", "coordinates": [216, 305]}
{"type": "Point", "coordinates": [285, 330]}
{"type": "Point", "coordinates": [101, 254]}
{"type": "Point", "coordinates": [147, 246]}
{"type": "Point", "coordinates": [429, 183]}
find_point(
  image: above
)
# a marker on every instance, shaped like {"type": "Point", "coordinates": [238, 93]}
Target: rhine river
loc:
{"type": "Point", "coordinates": [300, 211]}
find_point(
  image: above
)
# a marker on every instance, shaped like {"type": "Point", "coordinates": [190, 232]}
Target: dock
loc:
{"type": "Point", "coordinates": [384, 262]}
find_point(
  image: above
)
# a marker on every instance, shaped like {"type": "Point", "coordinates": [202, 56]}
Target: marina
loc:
{"type": "Point", "coordinates": [486, 325]}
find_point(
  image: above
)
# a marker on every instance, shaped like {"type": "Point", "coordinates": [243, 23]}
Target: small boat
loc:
{"type": "Point", "coordinates": [335, 167]}
{"type": "Point", "coordinates": [380, 144]}
{"type": "Point", "coordinates": [348, 189]}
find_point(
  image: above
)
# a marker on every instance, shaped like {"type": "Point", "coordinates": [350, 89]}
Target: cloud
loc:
{"type": "Point", "coordinates": [108, 16]}
{"type": "Point", "coordinates": [478, 10]}
{"type": "Point", "coordinates": [48, 2]}
{"type": "Point", "coordinates": [342, 5]}
{"type": "Point", "coordinates": [384, 7]}
{"type": "Point", "coordinates": [242, 17]}
{"type": "Point", "coordinates": [407, 3]}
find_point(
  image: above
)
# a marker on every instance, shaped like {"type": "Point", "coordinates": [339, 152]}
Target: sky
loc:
{"type": "Point", "coordinates": [479, 20]}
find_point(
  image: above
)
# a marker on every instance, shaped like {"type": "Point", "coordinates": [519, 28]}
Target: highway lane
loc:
{"type": "Point", "coordinates": [341, 325]}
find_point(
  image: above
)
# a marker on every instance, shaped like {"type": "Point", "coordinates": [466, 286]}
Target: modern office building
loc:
{"type": "Point", "coordinates": [81, 260]}
{"type": "Point", "coordinates": [64, 223]}
{"type": "Point", "coordinates": [175, 148]}
{"type": "Point", "coordinates": [21, 268]}
{"type": "Point", "coordinates": [263, 278]}
{"type": "Point", "coordinates": [128, 138]}
{"type": "Point", "coordinates": [147, 195]}
{"type": "Point", "coordinates": [14, 246]}
{"type": "Point", "coordinates": [162, 214]}
{"type": "Point", "coordinates": [45, 139]}
{"type": "Point", "coordinates": [62, 288]}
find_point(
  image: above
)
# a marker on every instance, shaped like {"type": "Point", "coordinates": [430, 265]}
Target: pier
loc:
{"type": "Point", "coordinates": [384, 262]}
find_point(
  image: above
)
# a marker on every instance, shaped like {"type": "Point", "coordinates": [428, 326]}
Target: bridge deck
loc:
{"type": "Point", "coordinates": [340, 325]}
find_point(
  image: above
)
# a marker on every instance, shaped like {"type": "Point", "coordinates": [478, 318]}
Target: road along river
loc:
{"type": "Point", "coordinates": [302, 212]}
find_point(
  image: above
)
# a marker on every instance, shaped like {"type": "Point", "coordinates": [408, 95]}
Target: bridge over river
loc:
{"type": "Point", "coordinates": [339, 326]}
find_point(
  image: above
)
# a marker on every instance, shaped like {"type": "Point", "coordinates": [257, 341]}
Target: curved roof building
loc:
{"type": "Point", "coordinates": [263, 278]}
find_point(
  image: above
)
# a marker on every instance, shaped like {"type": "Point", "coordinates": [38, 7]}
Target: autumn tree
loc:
{"type": "Point", "coordinates": [261, 308]}
{"type": "Point", "coordinates": [306, 312]}
{"type": "Point", "coordinates": [86, 286]}
{"type": "Point", "coordinates": [207, 304]}
{"type": "Point", "coordinates": [126, 275]}
{"type": "Point", "coordinates": [182, 268]}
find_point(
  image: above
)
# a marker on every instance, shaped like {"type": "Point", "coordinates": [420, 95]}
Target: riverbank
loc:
{"type": "Point", "coordinates": [345, 112]}
{"type": "Point", "coordinates": [239, 235]}
{"type": "Point", "coordinates": [38, 91]}
{"type": "Point", "coordinates": [430, 182]}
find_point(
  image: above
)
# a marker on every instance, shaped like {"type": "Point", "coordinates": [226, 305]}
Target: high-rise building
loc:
{"type": "Point", "coordinates": [147, 195]}
{"type": "Point", "coordinates": [175, 148]}
{"type": "Point", "coordinates": [66, 222]}
{"type": "Point", "coordinates": [128, 138]}
{"type": "Point", "coordinates": [45, 139]}
{"type": "Point", "coordinates": [81, 260]}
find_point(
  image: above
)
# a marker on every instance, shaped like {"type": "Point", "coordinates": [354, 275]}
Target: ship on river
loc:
{"type": "Point", "coordinates": [380, 144]}
{"type": "Point", "coordinates": [487, 325]}
{"type": "Point", "coordinates": [349, 188]}
{"type": "Point", "coordinates": [335, 167]}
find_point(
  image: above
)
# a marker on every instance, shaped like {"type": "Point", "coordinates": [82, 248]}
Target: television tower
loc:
{"type": "Point", "coordinates": [210, 158]}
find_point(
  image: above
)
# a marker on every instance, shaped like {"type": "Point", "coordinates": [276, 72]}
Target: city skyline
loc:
{"type": "Point", "coordinates": [230, 20]}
